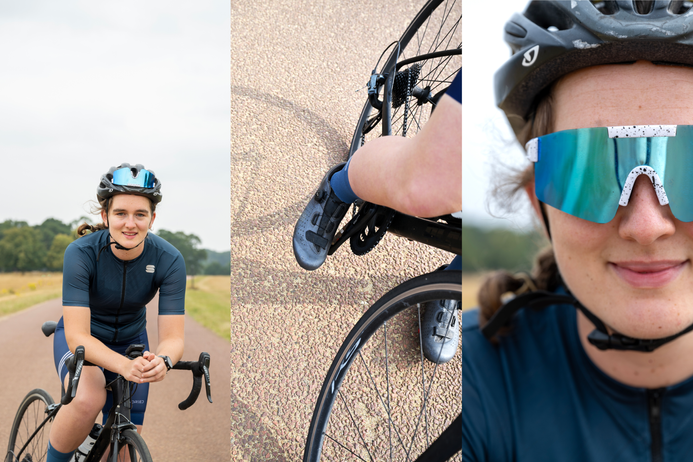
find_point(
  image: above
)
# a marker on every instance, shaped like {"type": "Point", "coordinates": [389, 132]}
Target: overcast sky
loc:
{"type": "Point", "coordinates": [488, 142]}
{"type": "Point", "coordinates": [88, 85]}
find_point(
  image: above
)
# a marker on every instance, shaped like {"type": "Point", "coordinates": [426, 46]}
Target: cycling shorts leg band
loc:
{"type": "Point", "coordinates": [341, 186]}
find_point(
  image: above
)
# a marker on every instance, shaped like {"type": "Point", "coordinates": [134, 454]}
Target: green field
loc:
{"type": "Point", "coordinates": [22, 290]}
{"type": "Point", "coordinates": [208, 303]}
{"type": "Point", "coordinates": [470, 288]}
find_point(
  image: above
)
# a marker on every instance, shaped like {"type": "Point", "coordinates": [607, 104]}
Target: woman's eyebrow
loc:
{"type": "Point", "coordinates": [138, 210]}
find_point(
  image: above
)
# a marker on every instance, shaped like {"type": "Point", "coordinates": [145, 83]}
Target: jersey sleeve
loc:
{"type": "Point", "coordinates": [172, 290]}
{"type": "Point", "coordinates": [76, 273]}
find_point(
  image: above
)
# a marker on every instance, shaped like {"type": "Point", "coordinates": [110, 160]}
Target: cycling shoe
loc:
{"type": "Point", "coordinates": [317, 225]}
{"type": "Point", "coordinates": [440, 333]}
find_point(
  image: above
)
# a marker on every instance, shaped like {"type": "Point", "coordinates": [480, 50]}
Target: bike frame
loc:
{"type": "Point", "coordinates": [118, 421]}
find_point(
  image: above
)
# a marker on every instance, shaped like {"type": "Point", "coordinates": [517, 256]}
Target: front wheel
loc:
{"type": "Point", "coordinates": [31, 427]}
{"type": "Point", "coordinates": [132, 448]}
{"type": "Point", "coordinates": [381, 400]}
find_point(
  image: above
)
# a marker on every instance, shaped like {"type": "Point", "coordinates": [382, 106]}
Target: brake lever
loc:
{"type": "Point", "coordinates": [75, 368]}
{"type": "Point", "coordinates": [204, 362]}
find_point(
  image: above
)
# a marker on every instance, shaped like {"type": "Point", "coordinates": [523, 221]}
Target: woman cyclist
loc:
{"type": "Point", "coordinates": [600, 369]}
{"type": "Point", "coordinates": [109, 276]}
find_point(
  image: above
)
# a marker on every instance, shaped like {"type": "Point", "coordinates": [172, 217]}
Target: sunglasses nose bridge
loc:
{"type": "Point", "coordinates": [654, 178]}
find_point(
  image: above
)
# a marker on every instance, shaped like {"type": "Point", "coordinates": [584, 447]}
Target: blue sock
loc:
{"type": "Point", "coordinates": [341, 187]}
{"type": "Point", "coordinates": [455, 264]}
{"type": "Point", "coordinates": [53, 455]}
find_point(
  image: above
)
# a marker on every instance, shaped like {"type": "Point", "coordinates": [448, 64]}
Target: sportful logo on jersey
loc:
{"type": "Point", "coordinates": [149, 269]}
{"type": "Point", "coordinates": [530, 56]}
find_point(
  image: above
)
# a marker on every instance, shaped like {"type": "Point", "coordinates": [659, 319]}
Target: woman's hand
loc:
{"type": "Point", "coordinates": [155, 370]}
{"type": "Point", "coordinates": [134, 370]}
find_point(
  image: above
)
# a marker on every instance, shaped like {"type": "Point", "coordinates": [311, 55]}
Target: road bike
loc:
{"type": "Point", "coordinates": [118, 437]}
{"type": "Point", "coordinates": [381, 400]}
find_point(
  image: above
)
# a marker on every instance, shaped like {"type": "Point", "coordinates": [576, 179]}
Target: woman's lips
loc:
{"type": "Point", "coordinates": [130, 235]}
{"type": "Point", "coordinates": [648, 275]}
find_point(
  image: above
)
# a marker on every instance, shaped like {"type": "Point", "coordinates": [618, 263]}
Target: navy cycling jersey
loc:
{"type": "Point", "coordinates": [117, 291]}
{"type": "Point", "coordinates": [537, 396]}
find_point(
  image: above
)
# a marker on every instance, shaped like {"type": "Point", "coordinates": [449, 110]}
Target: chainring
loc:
{"type": "Point", "coordinates": [367, 238]}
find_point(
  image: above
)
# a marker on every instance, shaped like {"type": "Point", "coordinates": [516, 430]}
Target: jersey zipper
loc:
{"type": "Point", "coordinates": [122, 300]}
{"type": "Point", "coordinates": [654, 398]}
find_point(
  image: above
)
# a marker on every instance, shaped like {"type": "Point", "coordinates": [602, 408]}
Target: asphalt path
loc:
{"type": "Point", "coordinates": [198, 433]}
{"type": "Point", "coordinates": [298, 72]}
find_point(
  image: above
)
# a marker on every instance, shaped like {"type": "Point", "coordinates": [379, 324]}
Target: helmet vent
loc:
{"type": "Point", "coordinates": [679, 7]}
{"type": "Point", "coordinates": [548, 16]}
{"type": "Point", "coordinates": [643, 6]}
{"type": "Point", "coordinates": [607, 8]}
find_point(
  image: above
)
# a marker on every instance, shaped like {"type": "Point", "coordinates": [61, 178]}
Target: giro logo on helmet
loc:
{"type": "Point", "coordinates": [530, 56]}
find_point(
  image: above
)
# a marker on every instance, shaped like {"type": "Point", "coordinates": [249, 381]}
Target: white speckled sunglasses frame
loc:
{"type": "Point", "coordinates": [626, 131]}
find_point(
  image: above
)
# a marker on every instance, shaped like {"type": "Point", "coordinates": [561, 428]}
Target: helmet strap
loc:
{"type": "Point", "coordinates": [599, 337]}
{"type": "Point", "coordinates": [542, 207]}
{"type": "Point", "coordinates": [117, 245]}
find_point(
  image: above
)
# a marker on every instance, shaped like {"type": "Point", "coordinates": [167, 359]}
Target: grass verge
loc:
{"type": "Point", "coordinates": [470, 288]}
{"type": "Point", "coordinates": [22, 290]}
{"type": "Point", "coordinates": [209, 303]}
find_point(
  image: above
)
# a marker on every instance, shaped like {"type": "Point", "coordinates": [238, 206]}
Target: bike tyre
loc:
{"type": "Point", "coordinates": [31, 413]}
{"type": "Point", "coordinates": [429, 287]}
{"type": "Point", "coordinates": [133, 442]}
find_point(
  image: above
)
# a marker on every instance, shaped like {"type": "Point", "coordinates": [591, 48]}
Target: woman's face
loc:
{"type": "Point", "coordinates": [635, 272]}
{"type": "Point", "coordinates": [129, 219]}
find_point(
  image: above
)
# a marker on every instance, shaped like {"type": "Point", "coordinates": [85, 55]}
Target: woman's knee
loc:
{"type": "Point", "coordinates": [91, 391]}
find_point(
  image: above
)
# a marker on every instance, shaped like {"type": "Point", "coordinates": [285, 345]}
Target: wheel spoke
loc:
{"type": "Point", "coordinates": [351, 416]}
{"type": "Point", "coordinates": [345, 448]}
{"type": "Point", "coordinates": [386, 407]}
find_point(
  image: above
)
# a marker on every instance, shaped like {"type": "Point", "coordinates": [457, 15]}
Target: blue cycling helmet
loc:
{"type": "Point", "coordinates": [129, 179]}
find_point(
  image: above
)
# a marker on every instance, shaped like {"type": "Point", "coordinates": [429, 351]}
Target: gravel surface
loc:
{"type": "Point", "coordinates": [296, 67]}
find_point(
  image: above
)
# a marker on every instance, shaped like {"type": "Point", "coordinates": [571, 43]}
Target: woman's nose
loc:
{"type": "Point", "coordinates": [644, 220]}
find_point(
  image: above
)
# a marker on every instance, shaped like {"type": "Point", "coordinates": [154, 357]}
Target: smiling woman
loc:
{"type": "Point", "coordinates": [105, 291]}
{"type": "Point", "coordinates": [601, 368]}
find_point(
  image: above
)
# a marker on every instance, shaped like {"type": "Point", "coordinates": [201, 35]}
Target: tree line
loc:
{"type": "Point", "coordinates": [499, 248]}
{"type": "Point", "coordinates": [42, 247]}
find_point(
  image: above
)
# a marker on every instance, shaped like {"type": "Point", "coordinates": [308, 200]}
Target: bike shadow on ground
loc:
{"type": "Point", "coordinates": [249, 158]}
